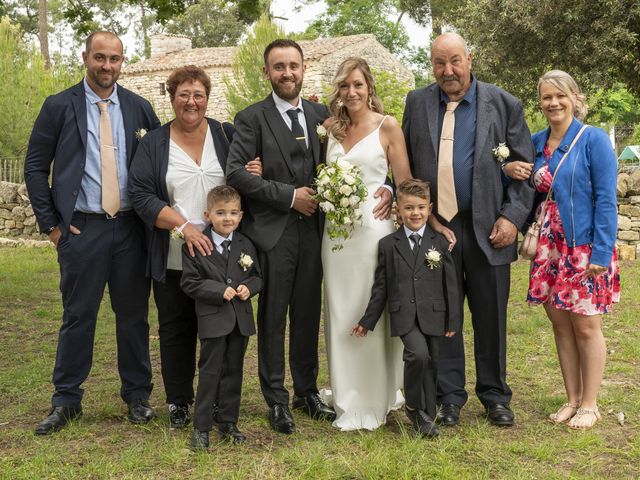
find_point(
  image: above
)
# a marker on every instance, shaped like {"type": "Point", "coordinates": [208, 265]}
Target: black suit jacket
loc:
{"type": "Point", "coordinates": [413, 291]}
{"type": "Point", "coordinates": [148, 186]}
{"type": "Point", "coordinates": [60, 134]}
{"type": "Point", "coordinates": [500, 119]}
{"type": "Point", "coordinates": [260, 131]}
{"type": "Point", "coordinates": [205, 278]}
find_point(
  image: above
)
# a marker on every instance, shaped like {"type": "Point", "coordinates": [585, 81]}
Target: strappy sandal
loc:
{"type": "Point", "coordinates": [583, 412]}
{"type": "Point", "coordinates": [555, 418]}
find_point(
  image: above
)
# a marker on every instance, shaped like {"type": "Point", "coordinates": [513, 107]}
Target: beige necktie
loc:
{"type": "Point", "coordinates": [447, 203]}
{"type": "Point", "coordinates": [110, 185]}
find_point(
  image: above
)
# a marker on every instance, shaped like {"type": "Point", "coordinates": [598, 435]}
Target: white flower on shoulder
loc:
{"type": "Point", "coordinates": [141, 133]}
{"type": "Point", "coordinates": [434, 258]}
{"type": "Point", "coordinates": [245, 261]}
{"type": "Point", "coordinates": [321, 132]}
{"type": "Point", "coordinates": [501, 152]}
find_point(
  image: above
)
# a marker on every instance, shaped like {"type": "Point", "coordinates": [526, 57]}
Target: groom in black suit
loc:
{"type": "Point", "coordinates": [83, 130]}
{"type": "Point", "coordinates": [282, 219]}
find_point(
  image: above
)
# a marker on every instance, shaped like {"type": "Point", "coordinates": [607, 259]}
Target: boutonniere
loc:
{"type": "Point", "coordinates": [434, 258]}
{"type": "Point", "coordinates": [141, 132]}
{"type": "Point", "coordinates": [501, 152]}
{"type": "Point", "coordinates": [245, 261]}
{"type": "Point", "coordinates": [321, 132]}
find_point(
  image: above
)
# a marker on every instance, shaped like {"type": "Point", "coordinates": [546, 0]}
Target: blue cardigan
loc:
{"type": "Point", "coordinates": [584, 188]}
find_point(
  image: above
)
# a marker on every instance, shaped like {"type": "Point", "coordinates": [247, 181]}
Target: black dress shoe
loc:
{"type": "Point", "coordinates": [423, 424]}
{"type": "Point", "coordinates": [140, 411]}
{"type": "Point", "coordinates": [449, 415]}
{"type": "Point", "coordinates": [179, 416]}
{"type": "Point", "coordinates": [281, 419]}
{"type": "Point", "coordinates": [314, 407]}
{"type": "Point", "coordinates": [58, 417]}
{"type": "Point", "coordinates": [229, 431]}
{"type": "Point", "coordinates": [500, 414]}
{"type": "Point", "coordinates": [199, 440]}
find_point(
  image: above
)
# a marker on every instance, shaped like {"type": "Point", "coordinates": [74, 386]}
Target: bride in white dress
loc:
{"type": "Point", "coordinates": [366, 374]}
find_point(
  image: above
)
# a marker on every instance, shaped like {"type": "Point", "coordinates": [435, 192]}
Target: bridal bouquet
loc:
{"type": "Point", "coordinates": [340, 191]}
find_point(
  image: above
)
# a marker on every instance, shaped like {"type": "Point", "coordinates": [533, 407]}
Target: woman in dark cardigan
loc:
{"type": "Point", "coordinates": [174, 168]}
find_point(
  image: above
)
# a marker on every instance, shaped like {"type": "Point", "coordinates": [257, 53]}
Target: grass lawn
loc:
{"type": "Point", "coordinates": [104, 445]}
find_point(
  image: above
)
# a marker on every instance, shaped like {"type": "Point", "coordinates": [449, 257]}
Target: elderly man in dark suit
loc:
{"type": "Point", "coordinates": [89, 132]}
{"type": "Point", "coordinates": [453, 129]}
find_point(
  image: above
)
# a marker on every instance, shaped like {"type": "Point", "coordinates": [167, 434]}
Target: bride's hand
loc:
{"type": "Point", "coordinates": [359, 331]}
{"type": "Point", "coordinates": [441, 229]}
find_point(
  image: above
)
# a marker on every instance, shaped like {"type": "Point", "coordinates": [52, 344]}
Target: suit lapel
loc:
{"type": "Point", "coordinates": [433, 114]}
{"type": "Point", "coordinates": [402, 245]}
{"type": "Point", "coordinates": [128, 121]}
{"type": "Point", "coordinates": [220, 145]}
{"type": "Point", "coordinates": [279, 129]}
{"type": "Point", "coordinates": [425, 244]}
{"type": "Point", "coordinates": [484, 118]}
{"type": "Point", "coordinates": [312, 123]}
{"type": "Point", "coordinates": [234, 253]}
{"type": "Point", "coordinates": [80, 109]}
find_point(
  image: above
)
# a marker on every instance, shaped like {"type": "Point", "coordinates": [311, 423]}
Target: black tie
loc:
{"type": "Point", "coordinates": [225, 248]}
{"type": "Point", "coordinates": [415, 238]}
{"type": "Point", "coordinates": [296, 128]}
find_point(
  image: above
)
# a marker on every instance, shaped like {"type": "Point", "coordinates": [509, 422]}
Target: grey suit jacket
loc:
{"type": "Point", "coordinates": [500, 119]}
{"type": "Point", "coordinates": [206, 278]}
{"type": "Point", "coordinates": [260, 131]}
{"type": "Point", "coordinates": [413, 291]}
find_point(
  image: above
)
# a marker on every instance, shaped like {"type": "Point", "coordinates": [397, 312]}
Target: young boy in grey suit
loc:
{"type": "Point", "coordinates": [416, 277]}
{"type": "Point", "coordinates": [221, 284]}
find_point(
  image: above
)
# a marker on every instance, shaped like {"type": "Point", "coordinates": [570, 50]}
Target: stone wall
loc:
{"type": "Point", "coordinates": [629, 214]}
{"type": "Point", "coordinates": [16, 215]}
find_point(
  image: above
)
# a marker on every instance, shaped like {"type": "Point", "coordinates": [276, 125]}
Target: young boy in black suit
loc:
{"type": "Point", "coordinates": [416, 277]}
{"type": "Point", "coordinates": [221, 284]}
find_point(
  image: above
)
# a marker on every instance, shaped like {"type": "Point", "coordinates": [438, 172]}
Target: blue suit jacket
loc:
{"type": "Point", "coordinates": [60, 136]}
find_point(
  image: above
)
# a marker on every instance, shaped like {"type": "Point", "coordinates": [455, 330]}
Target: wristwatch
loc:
{"type": "Point", "coordinates": [50, 229]}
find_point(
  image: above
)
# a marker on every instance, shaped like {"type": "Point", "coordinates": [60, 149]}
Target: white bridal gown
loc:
{"type": "Point", "coordinates": [366, 373]}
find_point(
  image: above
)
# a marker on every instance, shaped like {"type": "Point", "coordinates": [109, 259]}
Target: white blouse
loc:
{"type": "Point", "coordinates": [188, 185]}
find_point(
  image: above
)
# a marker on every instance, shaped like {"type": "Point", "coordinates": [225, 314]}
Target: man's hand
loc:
{"type": "Point", "coordinates": [243, 292]}
{"type": "Point", "coordinates": [229, 293]}
{"type": "Point", "coordinates": [56, 233]}
{"type": "Point", "coordinates": [503, 233]}
{"type": "Point", "coordinates": [359, 331]}
{"type": "Point", "coordinates": [449, 334]}
{"type": "Point", "coordinates": [304, 201]}
{"type": "Point", "coordinates": [382, 210]}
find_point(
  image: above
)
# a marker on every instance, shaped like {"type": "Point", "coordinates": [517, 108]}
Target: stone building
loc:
{"type": "Point", "coordinates": [322, 57]}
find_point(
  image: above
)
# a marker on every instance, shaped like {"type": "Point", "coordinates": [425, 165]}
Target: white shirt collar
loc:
{"type": "Point", "coordinates": [408, 232]}
{"type": "Point", "coordinates": [283, 105]}
{"type": "Point", "coordinates": [218, 239]}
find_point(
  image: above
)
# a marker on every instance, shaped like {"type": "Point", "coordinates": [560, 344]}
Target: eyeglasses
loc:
{"type": "Point", "coordinates": [197, 97]}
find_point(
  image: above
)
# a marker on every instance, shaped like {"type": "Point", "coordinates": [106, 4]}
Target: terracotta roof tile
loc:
{"type": "Point", "coordinates": [222, 56]}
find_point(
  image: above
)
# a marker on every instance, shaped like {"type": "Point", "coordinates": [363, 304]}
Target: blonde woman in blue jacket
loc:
{"type": "Point", "coordinates": [574, 274]}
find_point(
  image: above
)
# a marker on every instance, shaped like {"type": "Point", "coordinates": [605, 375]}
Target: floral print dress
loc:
{"type": "Point", "coordinates": [558, 271]}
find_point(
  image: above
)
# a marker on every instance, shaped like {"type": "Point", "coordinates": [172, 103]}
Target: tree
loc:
{"type": "Point", "coordinates": [43, 33]}
{"type": "Point", "coordinates": [26, 83]}
{"type": "Point", "coordinates": [392, 92]}
{"type": "Point", "coordinates": [209, 23]}
{"type": "Point", "coordinates": [248, 84]}
{"type": "Point", "coordinates": [516, 41]}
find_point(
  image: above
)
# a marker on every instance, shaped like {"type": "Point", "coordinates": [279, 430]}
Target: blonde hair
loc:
{"type": "Point", "coordinates": [342, 121]}
{"type": "Point", "coordinates": [567, 85]}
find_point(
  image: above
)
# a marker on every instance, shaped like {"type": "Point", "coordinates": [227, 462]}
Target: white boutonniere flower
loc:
{"type": "Point", "coordinates": [245, 261]}
{"type": "Point", "coordinates": [141, 133]}
{"type": "Point", "coordinates": [501, 152]}
{"type": "Point", "coordinates": [434, 258]}
{"type": "Point", "coordinates": [321, 132]}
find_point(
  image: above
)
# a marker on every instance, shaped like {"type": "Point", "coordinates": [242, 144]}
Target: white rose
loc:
{"type": "Point", "coordinates": [346, 221]}
{"type": "Point", "coordinates": [330, 171]}
{"type": "Point", "coordinates": [323, 179]}
{"type": "Point", "coordinates": [346, 190]}
{"type": "Point", "coordinates": [358, 213]}
{"type": "Point", "coordinates": [327, 207]}
{"type": "Point", "coordinates": [434, 256]}
{"type": "Point", "coordinates": [354, 200]}
{"type": "Point", "coordinates": [503, 151]}
{"type": "Point", "coordinates": [343, 164]}
{"type": "Point", "coordinates": [344, 202]}
{"type": "Point", "coordinates": [349, 179]}
{"type": "Point", "coordinates": [321, 131]}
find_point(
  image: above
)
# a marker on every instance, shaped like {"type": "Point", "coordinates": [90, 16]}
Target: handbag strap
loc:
{"type": "Point", "coordinates": [575, 139]}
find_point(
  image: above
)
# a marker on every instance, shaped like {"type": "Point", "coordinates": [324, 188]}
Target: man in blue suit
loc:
{"type": "Point", "coordinates": [90, 133]}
